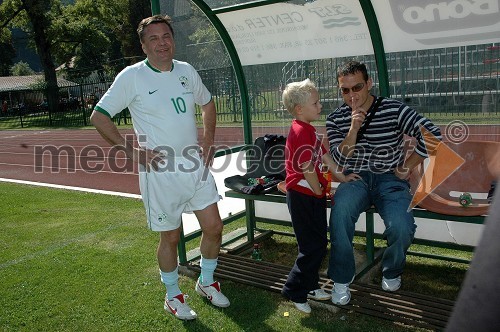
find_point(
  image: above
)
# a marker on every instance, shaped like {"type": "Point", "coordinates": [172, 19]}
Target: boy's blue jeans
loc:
{"type": "Point", "coordinates": [391, 197]}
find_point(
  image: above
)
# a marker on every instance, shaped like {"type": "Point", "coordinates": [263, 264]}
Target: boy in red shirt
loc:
{"type": "Point", "coordinates": [306, 192]}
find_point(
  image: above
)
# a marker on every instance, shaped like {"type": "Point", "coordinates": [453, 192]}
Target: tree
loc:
{"type": "Point", "coordinates": [7, 51]}
{"type": "Point", "coordinates": [137, 10]}
{"type": "Point", "coordinates": [209, 51]}
{"type": "Point", "coordinates": [37, 13]}
{"type": "Point", "coordinates": [21, 69]}
{"type": "Point", "coordinates": [35, 16]}
{"type": "Point", "coordinates": [83, 33]}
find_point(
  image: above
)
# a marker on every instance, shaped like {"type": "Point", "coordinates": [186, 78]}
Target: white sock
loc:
{"type": "Point", "coordinates": [171, 281]}
{"type": "Point", "coordinates": [207, 270]}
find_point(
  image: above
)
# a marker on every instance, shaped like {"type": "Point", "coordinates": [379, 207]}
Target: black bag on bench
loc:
{"type": "Point", "coordinates": [266, 166]}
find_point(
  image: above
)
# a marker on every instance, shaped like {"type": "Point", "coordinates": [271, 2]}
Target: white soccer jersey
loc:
{"type": "Point", "coordinates": [162, 104]}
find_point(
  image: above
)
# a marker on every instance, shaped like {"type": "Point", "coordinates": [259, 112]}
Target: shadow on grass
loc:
{"type": "Point", "coordinates": [279, 250]}
{"type": "Point", "coordinates": [436, 278]}
{"type": "Point", "coordinates": [426, 276]}
{"type": "Point", "coordinates": [249, 310]}
{"type": "Point", "coordinates": [251, 307]}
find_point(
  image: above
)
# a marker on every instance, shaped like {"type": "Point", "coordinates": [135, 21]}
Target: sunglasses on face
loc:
{"type": "Point", "coordinates": [357, 88]}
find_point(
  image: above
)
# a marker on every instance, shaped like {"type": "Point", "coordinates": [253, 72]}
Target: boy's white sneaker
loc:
{"type": "Point", "coordinates": [179, 308]}
{"type": "Point", "coordinates": [213, 294]}
{"type": "Point", "coordinates": [319, 295]}
{"type": "Point", "coordinates": [304, 307]}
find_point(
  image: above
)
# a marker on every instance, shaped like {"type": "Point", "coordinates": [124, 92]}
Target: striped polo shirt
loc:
{"type": "Point", "coordinates": [381, 149]}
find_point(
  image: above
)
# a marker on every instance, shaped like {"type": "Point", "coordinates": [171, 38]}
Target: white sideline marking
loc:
{"type": "Point", "coordinates": [59, 186]}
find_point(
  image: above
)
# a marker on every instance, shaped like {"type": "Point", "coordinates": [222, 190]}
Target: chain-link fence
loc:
{"type": "Point", "coordinates": [442, 84]}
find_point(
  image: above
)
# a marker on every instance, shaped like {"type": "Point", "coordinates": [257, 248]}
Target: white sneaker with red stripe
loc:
{"type": "Point", "coordinates": [213, 294]}
{"type": "Point", "coordinates": [179, 308]}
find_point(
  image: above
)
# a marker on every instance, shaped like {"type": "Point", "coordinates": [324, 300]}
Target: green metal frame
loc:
{"type": "Point", "coordinates": [373, 253]}
{"type": "Point", "coordinates": [378, 46]}
{"type": "Point", "coordinates": [233, 55]}
{"type": "Point", "coordinates": [242, 86]}
{"type": "Point", "coordinates": [211, 14]}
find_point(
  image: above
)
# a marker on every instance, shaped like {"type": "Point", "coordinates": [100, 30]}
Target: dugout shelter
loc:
{"type": "Point", "coordinates": [440, 57]}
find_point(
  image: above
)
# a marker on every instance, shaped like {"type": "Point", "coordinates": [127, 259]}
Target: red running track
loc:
{"type": "Point", "coordinates": [81, 158]}
{"type": "Point", "coordinates": [77, 158]}
{"type": "Point", "coordinates": [65, 157]}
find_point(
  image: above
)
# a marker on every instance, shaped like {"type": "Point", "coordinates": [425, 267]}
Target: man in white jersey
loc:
{"type": "Point", "coordinates": [161, 94]}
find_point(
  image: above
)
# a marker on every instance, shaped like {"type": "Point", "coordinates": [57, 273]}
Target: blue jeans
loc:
{"type": "Point", "coordinates": [391, 197]}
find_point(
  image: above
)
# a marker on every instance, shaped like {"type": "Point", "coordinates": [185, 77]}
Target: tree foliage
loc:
{"type": "Point", "coordinates": [37, 15]}
{"type": "Point", "coordinates": [210, 51]}
{"type": "Point", "coordinates": [7, 53]}
{"type": "Point", "coordinates": [84, 35]}
{"type": "Point", "coordinates": [21, 69]}
{"type": "Point", "coordinates": [80, 36]}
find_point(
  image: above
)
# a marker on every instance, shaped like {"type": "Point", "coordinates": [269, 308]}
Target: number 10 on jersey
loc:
{"type": "Point", "coordinates": [179, 104]}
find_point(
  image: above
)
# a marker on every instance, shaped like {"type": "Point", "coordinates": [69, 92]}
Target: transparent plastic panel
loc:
{"type": "Point", "coordinates": [198, 43]}
{"type": "Point", "coordinates": [306, 41]}
{"type": "Point", "coordinates": [215, 4]}
{"type": "Point", "coordinates": [443, 57]}
{"type": "Point", "coordinates": [286, 42]}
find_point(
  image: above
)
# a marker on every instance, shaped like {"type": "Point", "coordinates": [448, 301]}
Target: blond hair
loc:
{"type": "Point", "coordinates": [297, 93]}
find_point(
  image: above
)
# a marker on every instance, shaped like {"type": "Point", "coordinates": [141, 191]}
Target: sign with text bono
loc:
{"type": "Point", "coordinates": [427, 24]}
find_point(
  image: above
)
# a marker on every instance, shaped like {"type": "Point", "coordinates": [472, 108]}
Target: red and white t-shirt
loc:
{"type": "Point", "coordinates": [303, 144]}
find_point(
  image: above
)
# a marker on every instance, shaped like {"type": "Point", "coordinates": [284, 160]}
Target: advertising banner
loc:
{"type": "Point", "coordinates": [425, 24]}
{"type": "Point", "coordinates": [290, 32]}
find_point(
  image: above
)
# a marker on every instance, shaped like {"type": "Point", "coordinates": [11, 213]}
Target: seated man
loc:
{"type": "Point", "coordinates": [376, 154]}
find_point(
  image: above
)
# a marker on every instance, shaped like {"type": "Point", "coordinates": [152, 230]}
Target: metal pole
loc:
{"type": "Point", "coordinates": [378, 46]}
{"type": "Point", "coordinates": [460, 68]}
{"type": "Point", "coordinates": [155, 7]}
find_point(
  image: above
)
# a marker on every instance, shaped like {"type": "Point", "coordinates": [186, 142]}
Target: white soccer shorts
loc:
{"type": "Point", "coordinates": [180, 185]}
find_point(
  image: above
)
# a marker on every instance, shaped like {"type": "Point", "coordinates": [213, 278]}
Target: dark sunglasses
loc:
{"type": "Point", "coordinates": [357, 88]}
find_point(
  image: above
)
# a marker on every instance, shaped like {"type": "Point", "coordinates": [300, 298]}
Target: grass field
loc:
{"type": "Point", "coordinates": [72, 261]}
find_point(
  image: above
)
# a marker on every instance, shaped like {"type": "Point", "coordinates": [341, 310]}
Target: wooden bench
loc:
{"type": "Point", "coordinates": [369, 233]}
{"type": "Point", "coordinates": [476, 174]}
{"type": "Point", "coordinates": [477, 165]}
{"type": "Point", "coordinates": [404, 307]}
